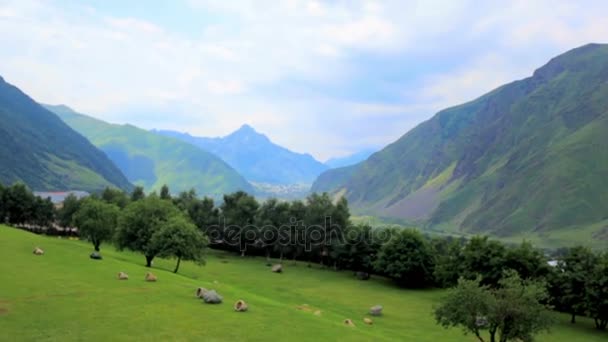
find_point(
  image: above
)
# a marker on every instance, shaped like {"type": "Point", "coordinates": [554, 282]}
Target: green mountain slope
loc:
{"type": "Point", "coordinates": [530, 156]}
{"type": "Point", "coordinates": [257, 158]}
{"type": "Point", "coordinates": [151, 160]}
{"type": "Point", "coordinates": [37, 148]}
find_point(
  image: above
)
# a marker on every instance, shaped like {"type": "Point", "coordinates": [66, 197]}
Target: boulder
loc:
{"type": "Point", "coordinates": [38, 251]}
{"type": "Point", "coordinates": [240, 306]}
{"type": "Point", "coordinates": [95, 256]}
{"type": "Point", "coordinates": [375, 310]}
{"type": "Point", "coordinates": [122, 276]}
{"type": "Point", "coordinates": [362, 275]}
{"type": "Point", "coordinates": [278, 268]}
{"type": "Point", "coordinates": [150, 277]}
{"type": "Point", "coordinates": [212, 297]}
{"type": "Point", "coordinates": [368, 321]}
{"type": "Point", "coordinates": [349, 322]}
{"type": "Point", "coordinates": [200, 292]}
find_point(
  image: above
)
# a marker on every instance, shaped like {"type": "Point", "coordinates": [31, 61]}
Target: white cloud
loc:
{"type": "Point", "coordinates": [240, 58]}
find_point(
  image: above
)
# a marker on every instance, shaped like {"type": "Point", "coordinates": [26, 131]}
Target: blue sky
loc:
{"type": "Point", "coordinates": [325, 77]}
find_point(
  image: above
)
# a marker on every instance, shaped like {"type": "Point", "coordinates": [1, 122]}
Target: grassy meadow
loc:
{"type": "Point", "coordinates": [65, 296]}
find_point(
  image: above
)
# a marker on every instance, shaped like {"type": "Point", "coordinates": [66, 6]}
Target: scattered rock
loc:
{"type": "Point", "coordinates": [362, 275]}
{"type": "Point", "coordinates": [349, 322]}
{"type": "Point", "coordinates": [240, 306]}
{"type": "Point", "coordinates": [200, 292]}
{"type": "Point", "coordinates": [368, 321]}
{"type": "Point", "coordinates": [95, 256]}
{"type": "Point", "coordinates": [304, 307]}
{"type": "Point", "coordinates": [278, 268]}
{"type": "Point", "coordinates": [122, 276]}
{"type": "Point", "coordinates": [212, 297]}
{"type": "Point", "coordinates": [376, 310]}
{"type": "Point", "coordinates": [318, 313]}
{"type": "Point", "coordinates": [151, 277]}
{"type": "Point", "coordinates": [38, 251]}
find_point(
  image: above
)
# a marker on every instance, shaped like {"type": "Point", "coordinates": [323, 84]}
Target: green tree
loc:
{"type": "Point", "coordinates": [484, 257]}
{"type": "Point", "coordinates": [294, 233]}
{"type": "Point", "coordinates": [96, 220]}
{"type": "Point", "coordinates": [2, 205]}
{"type": "Point", "coordinates": [19, 204]}
{"type": "Point", "coordinates": [138, 194]}
{"type": "Point", "coordinates": [407, 258]}
{"type": "Point", "coordinates": [115, 196]}
{"type": "Point", "coordinates": [597, 293]}
{"type": "Point", "coordinates": [360, 248]}
{"type": "Point", "coordinates": [511, 312]}
{"type": "Point", "coordinates": [43, 212]}
{"type": "Point", "coordinates": [164, 192]}
{"type": "Point", "coordinates": [574, 269]}
{"type": "Point", "coordinates": [529, 262]}
{"type": "Point", "coordinates": [65, 214]}
{"type": "Point", "coordinates": [239, 211]}
{"type": "Point", "coordinates": [178, 237]}
{"type": "Point", "coordinates": [139, 221]}
{"type": "Point", "coordinates": [448, 257]}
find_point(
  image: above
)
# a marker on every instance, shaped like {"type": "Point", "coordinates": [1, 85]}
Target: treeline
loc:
{"type": "Point", "coordinates": [318, 230]}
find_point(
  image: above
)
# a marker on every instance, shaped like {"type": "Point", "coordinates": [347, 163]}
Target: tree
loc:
{"type": "Point", "coordinates": [448, 267]}
{"type": "Point", "coordinates": [513, 311]}
{"type": "Point", "coordinates": [529, 262]}
{"type": "Point", "coordinates": [203, 212]}
{"type": "Point", "coordinates": [164, 192]}
{"type": "Point", "coordinates": [359, 250]}
{"type": "Point", "coordinates": [65, 214]}
{"type": "Point", "coordinates": [138, 194]}
{"type": "Point", "coordinates": [573, 271]}
{"type": "Point", "coordinates": [96, 220]}
{"type": "Point", "coordinates": [2, 204]}
{"type": "Point", "coordinates": [238, 211]}
{"type": "Point", "coordinates": [115, 196]}
{"type": "Point", "coordinates": [407, 258]}
{"type": "Point", "coordinates": [178, 237]}
{"type": "Point", "coordinates": [139, 221]}
{"type": "Point", "coordinates": [597, 293]}
{"type": "Point", "coordinates": [19, 204]}
{"type": "Point", "coordinates": [43, 212]}
{"type": "Point", "coordinates": [484, 257]}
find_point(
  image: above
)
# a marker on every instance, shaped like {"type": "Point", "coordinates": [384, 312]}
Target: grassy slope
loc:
{"type": "Point", "coordinates": [39, 149]}
{"type": "Point", "coordinates": [64, 295]}
{"type": "Point", "coordinates": [151, 160]}
{"type": "Point", "coordinates": [529, 156]}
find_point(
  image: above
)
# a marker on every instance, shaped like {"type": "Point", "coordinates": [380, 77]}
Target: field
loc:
{"type": "Point", "coordinates": [65, 296]}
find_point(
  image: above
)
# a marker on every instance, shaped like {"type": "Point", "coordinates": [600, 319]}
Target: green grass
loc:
{"type": "Point", "coordinates": [65, 296]}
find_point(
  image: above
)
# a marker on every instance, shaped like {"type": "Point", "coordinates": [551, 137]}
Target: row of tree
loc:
{"type": "Point", "coordinates": [319, 230]}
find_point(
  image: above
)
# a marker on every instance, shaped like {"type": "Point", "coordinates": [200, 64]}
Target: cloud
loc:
{"type": "Point", "coordinates": [325, 77]}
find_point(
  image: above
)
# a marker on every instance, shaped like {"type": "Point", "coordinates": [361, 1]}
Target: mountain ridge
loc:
{"type": "Point", "coordinates": [256, 157]}
{"type": "Point", "coordinates": [39, 149]}
{"type": "Point", "coordinates": [496, 164]}
{"type": "Point", "coordinates": [151, 160]}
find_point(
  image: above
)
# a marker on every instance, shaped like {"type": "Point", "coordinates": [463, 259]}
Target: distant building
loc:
{"type": "Point", "coordinates": [552, 263]}
{"type": "Point", "coordinates": [57, 197]}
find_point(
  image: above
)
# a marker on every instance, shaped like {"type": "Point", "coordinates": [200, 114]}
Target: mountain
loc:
{"type": "Point", "coordinates": [256, 157]}
{"type": "Point", "coordinates": [530, 156]}
{"type": "Point", "coordinates": [349, 160]}
{"type": "Point", "coordinates": [152, 160]}
{"type": "Point", "coordinates": [37, 148]}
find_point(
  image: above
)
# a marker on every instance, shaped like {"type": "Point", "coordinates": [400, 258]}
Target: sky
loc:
{"type": "Point", "coordinates": [328, 78]}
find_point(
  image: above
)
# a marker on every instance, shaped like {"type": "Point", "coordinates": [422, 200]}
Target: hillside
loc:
{"type": "Point", "coordinates": [37, 148]}
{"type": "Point", "coordinates": [349, 160]}
{"type": "Point", "coordinates": [88, 303]}
{"type": "Point", "coordinates": [151, 160]}
{"type": "Point", "coordinates": [257, 158]}
{"type": "Point", "coordinates": [528, 157]}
